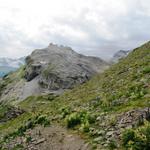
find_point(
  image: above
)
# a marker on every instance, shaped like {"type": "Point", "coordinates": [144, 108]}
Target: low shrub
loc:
{"type": "Point", "coordinates": [30, 124]}
{"type": "Point", "coordinates": [65, 111]}
{"type": "Point", "coordinates": [137, 139]}
{"type": "Point", "coordinates": [73, 120]}
{"type": "Point", "coordinates": [83, 118]}
{"type": "Point", "coordinates": [42, 120]}
{"type": "Point", "coordinates": [18, 147]}
{"type": "Point", "coordinates": [28, 139]}
{"type": "Point", "coordinates": [113, 121]}
{"type": "Point", "coordinates": [85, 127]}
{"type": "Point", "coordinates": [128, 135]}
{"type": "Point", "coordinates": [146, 70]}
{"type": "Point", "coordinates": [112, 145]}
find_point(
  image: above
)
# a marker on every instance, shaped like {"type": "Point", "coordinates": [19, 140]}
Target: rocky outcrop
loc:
{"type": "Point", "coordinates": [111, 128]}
{"type": "Point", "coordinates": [59, 67]}
{"type": "Point", "coordinates": [11, 114]}
{"type": "Point", "coordinates": [51, 70]}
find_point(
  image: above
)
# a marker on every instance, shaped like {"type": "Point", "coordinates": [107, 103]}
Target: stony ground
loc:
{"type": "Point", "coordinates": [49, 138]}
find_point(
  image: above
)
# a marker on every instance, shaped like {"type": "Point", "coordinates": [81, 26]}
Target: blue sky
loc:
{"type": "Point", "coordinates": [91, 27]}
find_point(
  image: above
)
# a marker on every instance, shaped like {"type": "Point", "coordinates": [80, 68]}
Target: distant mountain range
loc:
{"type": "Point", "coordinates": [8, 64]}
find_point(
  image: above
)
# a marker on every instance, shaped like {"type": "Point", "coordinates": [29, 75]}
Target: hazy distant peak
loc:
{"type": "Point", "coordinates": [120, 54]}
{"type": "Point", "coordinates": [10, 62]}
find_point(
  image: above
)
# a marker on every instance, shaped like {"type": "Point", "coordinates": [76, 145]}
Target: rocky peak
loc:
{"type": "Point", "coordinates": [59, 67]}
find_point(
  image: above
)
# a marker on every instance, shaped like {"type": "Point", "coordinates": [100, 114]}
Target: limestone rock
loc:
{"type": "Point", "coordinates": [57, 67]}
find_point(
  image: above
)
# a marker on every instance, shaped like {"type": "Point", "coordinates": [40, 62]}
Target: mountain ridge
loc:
{"type": "Point", "coordinates": [105, 110]}
{"type": "Point", "coordinates": [53, 70]}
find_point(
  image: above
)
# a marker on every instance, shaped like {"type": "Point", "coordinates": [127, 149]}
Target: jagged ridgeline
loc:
{"type": "Point", "coordinates": [111, 111]}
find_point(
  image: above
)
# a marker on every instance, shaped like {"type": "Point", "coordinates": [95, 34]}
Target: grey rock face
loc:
{"type": "Point", "coordinates": [59, 67]}
{"type": "Point", "coordinates": [52, 70]}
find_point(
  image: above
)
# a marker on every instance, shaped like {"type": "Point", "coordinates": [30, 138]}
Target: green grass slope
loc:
{"type": "Point", "coordinates": [96, 108]}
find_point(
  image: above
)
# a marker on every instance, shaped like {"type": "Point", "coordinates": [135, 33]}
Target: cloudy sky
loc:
{"type": "Point", "coordinates": [91, 27]}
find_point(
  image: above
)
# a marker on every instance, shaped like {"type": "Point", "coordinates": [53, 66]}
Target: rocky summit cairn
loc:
{"type": "Point", "coordinates": [57, 68]}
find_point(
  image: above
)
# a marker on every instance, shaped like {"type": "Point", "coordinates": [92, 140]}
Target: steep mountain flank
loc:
{"type": "Point", "coordinates": [111, 111]}
{"type": "Point", "coordinates": [52, 70]}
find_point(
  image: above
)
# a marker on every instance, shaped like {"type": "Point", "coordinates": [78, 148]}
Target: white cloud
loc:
{"type": "Point", "coordinates": [95, 27]}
